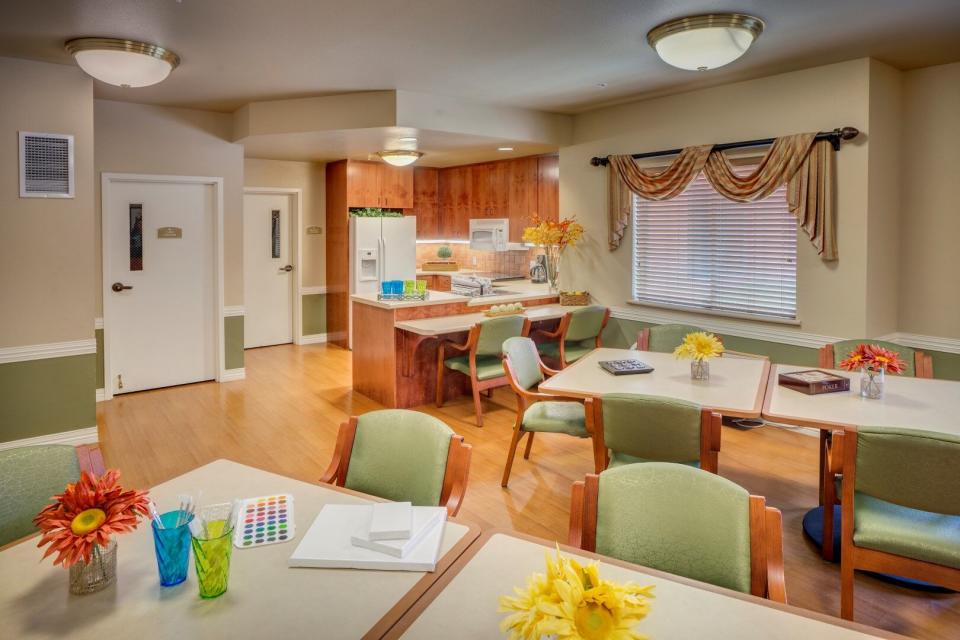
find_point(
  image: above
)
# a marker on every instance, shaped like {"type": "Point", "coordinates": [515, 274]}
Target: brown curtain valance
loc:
{"type": "Point", "coordinates": [797, 160]}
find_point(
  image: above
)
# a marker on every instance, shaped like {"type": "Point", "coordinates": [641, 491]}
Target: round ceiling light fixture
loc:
{"type": "Point", "coordinates": [704, 42]}
{"type": "Point", "coordinates": [123, 63]}
{"type": "Point", "coordinates": [400, 157]}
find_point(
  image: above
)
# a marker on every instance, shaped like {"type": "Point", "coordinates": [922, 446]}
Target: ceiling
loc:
{"type": "Point", "coordinates": [541, 54]}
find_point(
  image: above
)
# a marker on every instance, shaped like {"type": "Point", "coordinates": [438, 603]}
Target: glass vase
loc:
{"type": "Point", "coordinates": [99, 573]}
{"type": "Point", "coordinates": [699, 369]}
{"type": "Point", "coordinates": [552, 254]}
{"type": "Point", "coordinates": [871, 383]}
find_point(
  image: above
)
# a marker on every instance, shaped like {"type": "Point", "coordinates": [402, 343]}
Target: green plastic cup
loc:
{"type": "Point", "coordinates": [421, 287]}
{"type": "Point", "coordinates": [211, 554]}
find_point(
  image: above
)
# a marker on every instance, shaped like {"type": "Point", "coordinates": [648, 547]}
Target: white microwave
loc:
{"type": "Point", "coordinates": [489, 234]}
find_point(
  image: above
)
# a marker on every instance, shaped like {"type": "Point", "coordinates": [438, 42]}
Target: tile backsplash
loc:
{"type": "Point", "coordinates": [512, 262]}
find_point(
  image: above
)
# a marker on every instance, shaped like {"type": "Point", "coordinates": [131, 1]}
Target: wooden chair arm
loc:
{"type": "Point", "coordinates": [547, 371]}
{"type": "Point", "coordinates": [834, 453]}
{"type": "Point", "coordinates": [561, 329]}
{"type": "Point", "coordinates": [336, 473]}
{"type": "Point", "coordinates": [776, 585]}
{"type": "Point", "coordinates": [575, 532]}
{"type": "Point", "coordinates": [90, 459]}
{"type": "Point", "coordinates": [456, 476]}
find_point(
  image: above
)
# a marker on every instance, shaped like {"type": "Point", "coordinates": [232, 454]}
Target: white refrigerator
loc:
{"type": "Point", "coordinates": [380, 249]}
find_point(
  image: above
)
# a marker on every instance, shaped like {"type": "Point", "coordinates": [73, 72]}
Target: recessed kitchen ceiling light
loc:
{"type": "Point", "coordinates": [709, 41]}
{"type": "Point", "coordinates": [504, 148]}
{"type": "Point", "coordinates": [408, 139]}
{"type": "Point", "coordinates": [399, 157]}
{"type": "Point", "coordinates": [602, 85]}
{"type": "Point", "coordinates": [123, 63]}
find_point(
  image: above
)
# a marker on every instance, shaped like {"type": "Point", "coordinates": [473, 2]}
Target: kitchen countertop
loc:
{"type": "Point", "coordinates": [520, 290]}
{"type": "Point", "coordinates": [463, 322]}
{"type": "Point", "coordinates": [461, 272]}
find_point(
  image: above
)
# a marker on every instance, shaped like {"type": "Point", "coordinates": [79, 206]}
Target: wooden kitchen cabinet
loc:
{"type": "Point", "coordinates": [377, 184]}
{"type": "Point", "coordinates": [548, 187]}
{"type": "Point", "coordinates": [437, 283]}
{"type": "Point", "coordinates": [426, 205]}
{"type": "Point", "coordinates": [523, 194]}
{"type": "Point", "coordinates": [454, 189]}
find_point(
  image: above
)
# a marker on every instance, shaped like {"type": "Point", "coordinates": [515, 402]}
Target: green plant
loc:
{"type": "Point", "coordinates": [376, 212]}
{"type": "Point", "coordinates": [444, 252]}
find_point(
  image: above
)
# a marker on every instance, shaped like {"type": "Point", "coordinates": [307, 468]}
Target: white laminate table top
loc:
{"type": "Point", "coordinates": [466, 606]}
{"type": "Point", "coordinates": [735, 387]}
{"type": "Point", "coordinates": [264, 599]}
{"type": "Point", "coordinates": [456, 324]}
{"type": "Point", "coordinates": [912, 403]}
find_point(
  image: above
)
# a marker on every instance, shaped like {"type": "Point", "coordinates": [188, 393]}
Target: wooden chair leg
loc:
{"type": "Point", "coordinates": [477, 406]}
{"type": "Point", "coordinates": [511, 453]}
{"type": "Point", "coordinates": [440, 368]}
{"type": "Point", "coordinates": [489, 392]}
{"type": "Point", "coordinates": [846, 586]}
{"type": "Point", "coordinates": [829, 500]}
{"type": "Point", "coordinates": [526, 451]}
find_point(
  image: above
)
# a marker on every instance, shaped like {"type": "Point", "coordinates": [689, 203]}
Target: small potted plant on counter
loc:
{"type": "Point", "coordinates": [444, 263]}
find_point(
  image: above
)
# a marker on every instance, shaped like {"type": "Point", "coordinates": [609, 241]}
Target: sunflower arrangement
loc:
{"type": "Point", "coordinates": [875, 358]}
{"type": "Point", "coordinates": [699, 346]}
{"type": "Point", "coordinates": [562, 234]}
{"type": "Point", "coordinates": [86, 514]}
{"type": "Point", "coordinates": [572, 602]}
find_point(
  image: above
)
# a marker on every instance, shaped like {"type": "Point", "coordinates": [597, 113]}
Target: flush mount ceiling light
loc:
{"type": "Point", "coordinates": [700, 43]}
{"type": "Point", "coordinates": [123, 63]}
{"type": "Point", "coordinates": [504, 148]}
{"type": "Point", "coordinates": [407, 139]}
{"type": "Point", "coordinates": [400, 157]}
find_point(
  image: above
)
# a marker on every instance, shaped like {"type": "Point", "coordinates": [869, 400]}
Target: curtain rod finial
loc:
{"type": "Point", "coordinates": [848, 133]}
{"type": "Point", "coordinates": [597, 161]}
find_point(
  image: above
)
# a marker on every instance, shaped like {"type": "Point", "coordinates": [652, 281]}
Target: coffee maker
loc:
{"type": "Point", "coordinates": [538, 269]}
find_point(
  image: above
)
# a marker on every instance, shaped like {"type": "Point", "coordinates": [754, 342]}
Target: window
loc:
{"type": "Point", "coordinates": [703, 252]}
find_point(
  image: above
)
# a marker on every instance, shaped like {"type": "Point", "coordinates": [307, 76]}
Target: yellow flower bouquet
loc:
{"type": "Point", "coordinates": [572, 602]}
{"type": "Point", "coordinates": [554, 237]}
{"type": "Point", "coordinates": [699, 347]}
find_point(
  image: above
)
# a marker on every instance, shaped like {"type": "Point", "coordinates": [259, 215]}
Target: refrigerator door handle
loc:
{"type": "Point", "coordinates": [383, 260]}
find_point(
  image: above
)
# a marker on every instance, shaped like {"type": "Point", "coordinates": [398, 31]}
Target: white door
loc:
{"type": "Point", "coordinates": [160, 315]}
{"type": "Point", "coordinates": [268, 275]}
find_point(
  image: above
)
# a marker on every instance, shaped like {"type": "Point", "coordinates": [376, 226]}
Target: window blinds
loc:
{"type": "Point", "coordinates": [702, 251]}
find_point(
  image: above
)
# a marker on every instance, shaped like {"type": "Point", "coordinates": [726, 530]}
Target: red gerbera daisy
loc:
{"type": "Point", "coordinates": [86, 514]}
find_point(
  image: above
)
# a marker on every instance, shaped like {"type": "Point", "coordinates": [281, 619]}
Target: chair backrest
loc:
{"type": "Point", "coordinates": [677, 519]}
{"type": "Point", "coordinates": [495, 330]}
{"type": "Point", "coordinates": [399, 455]}
{"type": "Point", "coordinates": [912, 468]}
{"type": "Point", "coordinates": [652, 427]}
{"type": "Point", "coordinates": [29, 476]}
{"type": "Point", "coordinates": [844, 347]}
{"type": "Point", "coordinates": [524, 361]}
{"type": "Point", "coordinates": [586, 323]}
{"type": "Point", "coordinates": [665, 338]}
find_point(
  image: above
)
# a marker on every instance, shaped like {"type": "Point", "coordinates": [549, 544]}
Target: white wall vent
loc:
{"type": "Point", "coordinates": [46, 165]}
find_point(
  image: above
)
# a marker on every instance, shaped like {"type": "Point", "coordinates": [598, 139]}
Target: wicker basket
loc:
{"type": "Point", "coordinates": [436, 265]}
{"type": "Point", "coordinates": [574, 298]}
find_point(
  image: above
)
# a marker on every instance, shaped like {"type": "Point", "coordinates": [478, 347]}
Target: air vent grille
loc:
{"type": "Point", "coordinates": [46, 165]}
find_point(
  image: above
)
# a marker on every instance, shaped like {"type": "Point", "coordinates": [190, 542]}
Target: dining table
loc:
{"type": "Point", "coordinates": [463, 603]}
{"type": "Point", "coordinates": [735, 387]}
{"type": "Point", "coordinates": [265, 598]}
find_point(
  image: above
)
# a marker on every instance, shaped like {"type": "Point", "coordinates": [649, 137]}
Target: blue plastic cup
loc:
{"type": "Point", "coordinates": [385, 288]}
{"type": "Point", "coordinates": [172, 544]}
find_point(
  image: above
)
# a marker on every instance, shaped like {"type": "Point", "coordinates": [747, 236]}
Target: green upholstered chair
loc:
{"type": "Point", "coordinates": [678, 519]}
{"type": "Point", "coordinates": [482, 360]}
{"type": "Point", "coordinates": [536, 412]}
{"type": "Point", "coordinates": [30, 476]}
{"type": "Point", "coordinates": [632, 428]}
{"type": "Point", "coordinates": [919, 364]}
{"type": "Point", "coordinates": [577, 335]}
{"type": "Point", "coordinates": [664, 338]}
{"type": "Point", "coordinates": [403, 456]}
{"type": "Point", "coordinates": [901, 505]}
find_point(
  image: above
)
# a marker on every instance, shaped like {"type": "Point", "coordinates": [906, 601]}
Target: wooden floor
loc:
{"type": "Point", "coordinates": [285, 415]}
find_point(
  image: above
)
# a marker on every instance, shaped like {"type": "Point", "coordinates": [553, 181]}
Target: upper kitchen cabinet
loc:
{"type": "Point", "coordinates": [454, 191]}
{"type": "Point", "coordinates": [522, 195]}
{"type": "Point", "coordinates": [377, 184]}
{"type": "Point", "coordinates": [426, 202]}
{"type": "Point", "coordinates": [548, 187]}
{"type": "Point", "coordinates": [491, 189]}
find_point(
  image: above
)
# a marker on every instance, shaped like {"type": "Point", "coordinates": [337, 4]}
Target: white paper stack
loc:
{"type": "Point", "coordinates": [390, 521]}
{"type": "Point", "coordinates": [339, 538]}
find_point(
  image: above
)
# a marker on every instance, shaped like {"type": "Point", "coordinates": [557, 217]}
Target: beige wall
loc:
{"type": "Point", "coordinates": [46, 246]}
{"type": "Point", "coordinates": [810, 100]}
{"type": "Point", "coordinates": [930, 224]}
{"type": "Point", "coordinates": [310, 177]}
{"type": "Point", "coordinates": [137, 138]}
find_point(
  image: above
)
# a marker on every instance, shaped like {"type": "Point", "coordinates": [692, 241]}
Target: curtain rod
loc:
{"type": "Point", "coordinates": [835, 136]}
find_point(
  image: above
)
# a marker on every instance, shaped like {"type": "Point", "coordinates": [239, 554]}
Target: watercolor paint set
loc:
{"type": "Point", "coordinates": [265, 520]}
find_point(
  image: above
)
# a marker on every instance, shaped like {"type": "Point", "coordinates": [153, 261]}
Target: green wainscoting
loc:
{"type": "Point", "coordinates": [98, 334]}
{"type": "Point", "coordinates": [51, 395]}
{"type": "Point", "coordinates": [233, 342]}
{"type": "Point", "coordinates": [314, 317]}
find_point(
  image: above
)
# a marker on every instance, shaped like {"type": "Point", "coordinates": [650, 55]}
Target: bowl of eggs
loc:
{"type": "Point", "coordinates": [504, 309]}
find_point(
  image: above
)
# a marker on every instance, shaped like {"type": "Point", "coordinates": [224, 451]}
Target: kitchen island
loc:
{"type": "Point", "coordinates": [395, 341]}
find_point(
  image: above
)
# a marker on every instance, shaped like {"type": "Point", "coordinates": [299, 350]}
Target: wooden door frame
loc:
{"type": "Point", "coordinates": [296, 228]}
{"type": "Point", "coordinates": [106, 182]}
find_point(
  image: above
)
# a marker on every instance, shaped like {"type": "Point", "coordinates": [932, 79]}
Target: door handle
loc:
{"type": "Point", "coordinates": [119, 286]}
{"type": "Point", "coordinates": [288, 268]}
